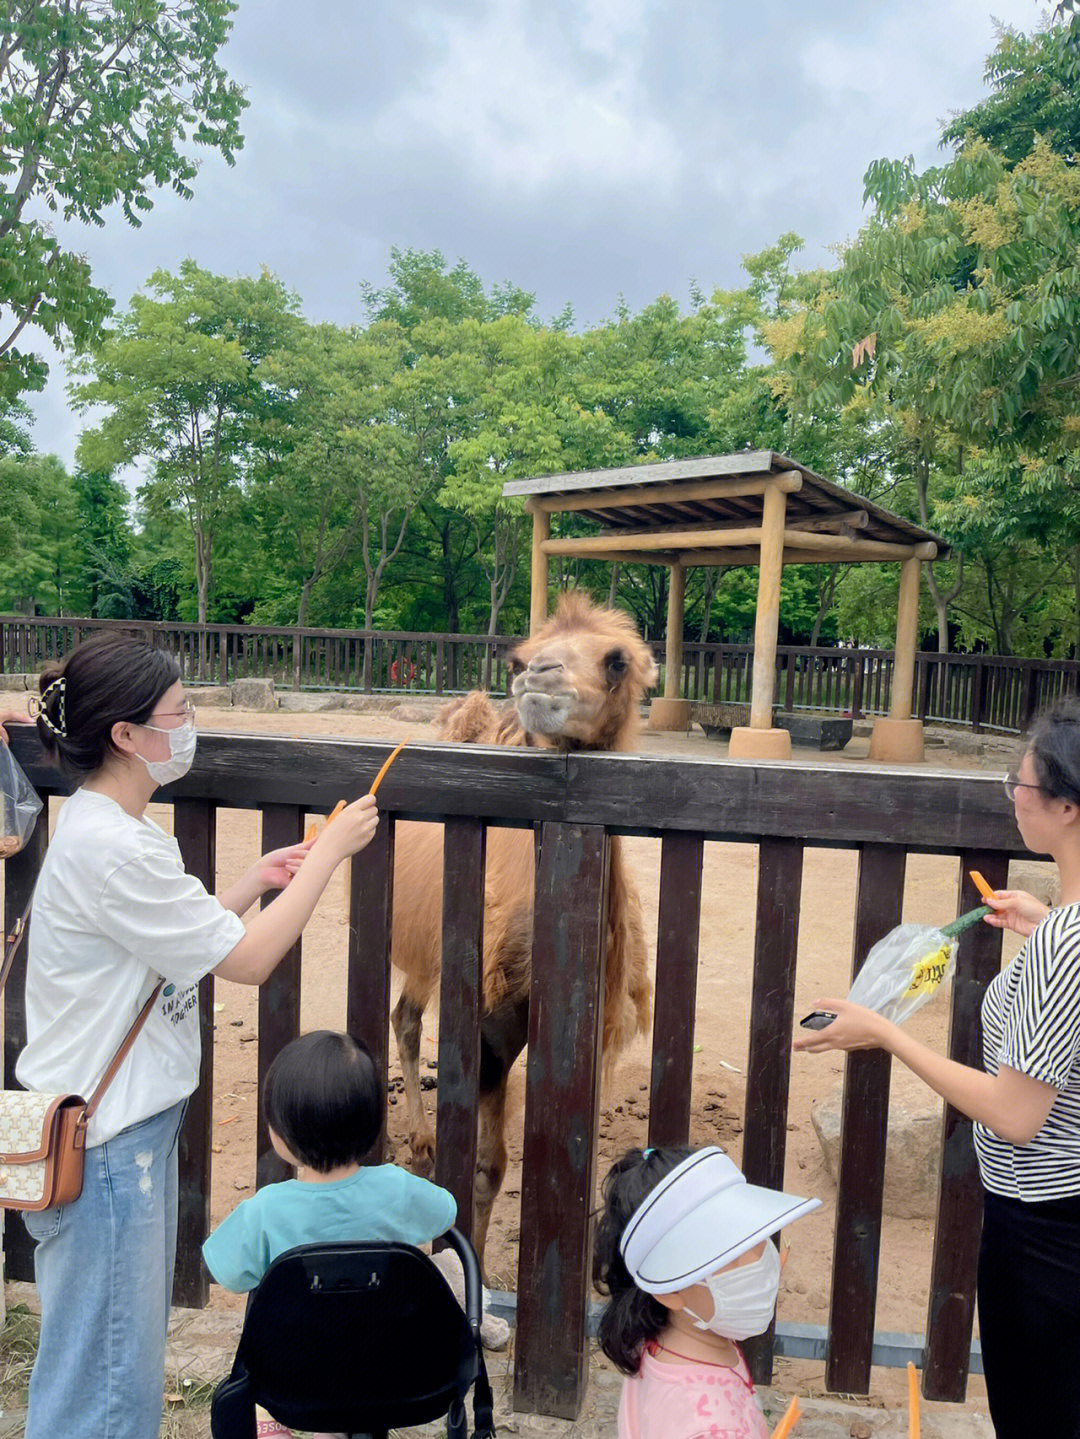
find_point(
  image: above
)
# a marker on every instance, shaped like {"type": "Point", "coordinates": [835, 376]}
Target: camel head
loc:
{"type": "Point", "coordinates": [579, 681]}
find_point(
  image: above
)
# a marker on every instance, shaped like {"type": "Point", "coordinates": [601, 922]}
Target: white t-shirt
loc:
{"type": "Point", "coordinates": [113, 912]}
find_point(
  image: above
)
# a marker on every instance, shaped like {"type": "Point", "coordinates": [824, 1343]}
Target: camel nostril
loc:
{"type": "Point", "coordinates": [540, 665]}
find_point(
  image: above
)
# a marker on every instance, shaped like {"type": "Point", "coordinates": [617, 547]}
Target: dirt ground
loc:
{"type": "Point", "coordinates": [719, 1041]}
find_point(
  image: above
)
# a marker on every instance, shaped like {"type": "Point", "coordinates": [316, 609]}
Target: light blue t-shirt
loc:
{"type": "Point", "coordinates": [380, 1202]}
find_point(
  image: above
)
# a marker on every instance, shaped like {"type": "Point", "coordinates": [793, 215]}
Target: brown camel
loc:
{"type": "Point", "coordinates": [577, 685]}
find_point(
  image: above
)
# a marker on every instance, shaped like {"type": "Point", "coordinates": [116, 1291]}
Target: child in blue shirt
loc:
{"type": "Point", "coordinates": [323, 1104]}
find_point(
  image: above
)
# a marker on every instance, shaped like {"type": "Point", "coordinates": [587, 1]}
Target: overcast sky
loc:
{"type": "Point", "coordinates": [582, 149]}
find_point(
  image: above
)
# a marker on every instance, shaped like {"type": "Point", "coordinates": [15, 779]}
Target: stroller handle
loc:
{"type": "Point", "coordinates": [474, 1296]}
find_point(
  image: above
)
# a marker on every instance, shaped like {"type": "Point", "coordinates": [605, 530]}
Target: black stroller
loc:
{"type": "Point", "coordinates": [358, 1339]}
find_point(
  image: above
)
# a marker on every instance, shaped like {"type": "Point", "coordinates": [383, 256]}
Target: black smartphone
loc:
{"type": "Point", "coordinates": [818, 1020]}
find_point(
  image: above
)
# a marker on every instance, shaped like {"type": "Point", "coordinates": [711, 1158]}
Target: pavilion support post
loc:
{"type": "Point", "coordinates": [541, 531]}
{"type": "Point", "coordinates": [898, 738]}
{"type": "Point", "coordinates": [673, 712]}
{"type": "Point", "coordinates": [759, 739]}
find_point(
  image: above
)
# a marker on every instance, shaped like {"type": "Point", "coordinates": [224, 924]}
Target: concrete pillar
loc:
{"type": "Point", "coordinates": [673, 712]}
{"type": "Point", "coordinates": [760, 740]}
{"type": "Point", "coordinates": [541, 531]}
{"type": "Point", "coordinates": [899, 738]}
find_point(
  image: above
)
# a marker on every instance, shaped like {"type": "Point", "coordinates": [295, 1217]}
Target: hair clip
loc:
{"type": "Point", "coordinates": [36, 707]}
{"type": "Point", "coordinates": [646, 1152]}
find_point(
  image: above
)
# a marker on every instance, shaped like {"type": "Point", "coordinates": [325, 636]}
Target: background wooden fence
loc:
{"type": "Point", "coordinates": [575, 803]}
{"type": "Point", "coordinates": [980, 692]}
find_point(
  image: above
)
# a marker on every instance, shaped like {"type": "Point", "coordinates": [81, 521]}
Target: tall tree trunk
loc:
{"type": "Point", "coordinates": [942, 600]}
{"type": "Point", "coordinates": [613, 587]}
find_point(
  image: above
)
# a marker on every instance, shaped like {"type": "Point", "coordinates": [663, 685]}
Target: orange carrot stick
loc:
{"type": "Point", "coordinates": [980, 884]}
{"type": "Point", "coordinates": [790, 1419]}
{"type": "Point", "coordinates": [392, 757]}
{"type": "Point", "coordinates": [311, 832]}
{"type": "Point", "coordinates": [913, 1401]}
{"type": "Point", "coordinates": [336, 810]}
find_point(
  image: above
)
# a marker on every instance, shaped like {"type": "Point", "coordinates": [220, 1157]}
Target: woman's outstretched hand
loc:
{"type": "Point", "coordinates": [853, 1028]}
{"type": "Point", "coordinates": [1015, 909]}
{"type": "Point", "coordinates": [353, 828]}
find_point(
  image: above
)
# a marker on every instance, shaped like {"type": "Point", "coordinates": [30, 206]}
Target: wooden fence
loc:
{"type": "Point", "coordinates": [980, 692]}
{"type": "Point", "coordinates": [575, 803]}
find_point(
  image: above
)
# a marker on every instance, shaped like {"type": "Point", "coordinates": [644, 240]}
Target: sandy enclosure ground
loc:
{"type": "Point", "coordinates": [719, 1040]}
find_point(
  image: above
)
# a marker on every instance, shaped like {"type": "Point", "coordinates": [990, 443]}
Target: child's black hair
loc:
{"type": "Point", "coordinates": [322, 1098]}
{"type": "Point", "coordinates": [1054, 745]}
{"type": "Point", "coordinates": [631, 1317]}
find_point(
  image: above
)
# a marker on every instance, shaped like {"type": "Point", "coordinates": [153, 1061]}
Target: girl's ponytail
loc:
{"type": "Point", "coordinates": [631, 1317]}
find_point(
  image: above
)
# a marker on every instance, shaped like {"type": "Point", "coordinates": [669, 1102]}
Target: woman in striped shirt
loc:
{"type": "Point", "coordinates": [1025, 1103]}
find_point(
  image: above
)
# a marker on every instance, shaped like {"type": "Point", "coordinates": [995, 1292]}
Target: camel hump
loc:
{"type": "Point", "coordinates": [473, 719]}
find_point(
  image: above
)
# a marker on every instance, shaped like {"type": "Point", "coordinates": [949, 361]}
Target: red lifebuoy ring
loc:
{"type": "Point", "coordinates": [410, 671]}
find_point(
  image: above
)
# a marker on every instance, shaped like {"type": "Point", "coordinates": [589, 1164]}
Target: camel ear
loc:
{"type": "Point", "coordinates": [652, 673]}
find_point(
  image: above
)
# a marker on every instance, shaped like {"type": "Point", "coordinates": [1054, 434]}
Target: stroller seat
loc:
{"type": "Point", "coordinates": [358, 1338]}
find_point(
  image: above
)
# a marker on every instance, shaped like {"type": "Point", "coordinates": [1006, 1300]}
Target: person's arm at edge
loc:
{"type": "Point", "coordinates": [1012, 1104]}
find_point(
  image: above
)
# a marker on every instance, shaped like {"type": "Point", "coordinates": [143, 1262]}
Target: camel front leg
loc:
{"type": "Point", "coordinates": [407, 1019]}
{"type": "Point", "coordinates": [490, 1161]}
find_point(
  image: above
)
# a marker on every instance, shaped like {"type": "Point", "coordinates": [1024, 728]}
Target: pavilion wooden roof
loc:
{"type": "Point", "coordinates": [711, 507]}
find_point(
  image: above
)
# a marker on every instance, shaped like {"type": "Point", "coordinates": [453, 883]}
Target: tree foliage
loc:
{"type": "Point", "coordinates": [101, 102]}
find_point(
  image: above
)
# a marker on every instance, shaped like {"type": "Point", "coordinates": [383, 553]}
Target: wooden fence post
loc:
{"type": "Point", "coordinates": [371, 909]}
{"type": "Point", "coordinates": [768, 1070]}
{"type": "Point", "coordinates": [194, 829]}
{"type": "Point", "coordinates": [675, 999]}
{"type": "Point", "coordinates": [460, 1001]}
{"type": "Point", "coordinates": [863, 1131]}
{"type": "Point", "coordinates": [562, 1086]}
{"type": "Point", "coordinates": [959, 1215]}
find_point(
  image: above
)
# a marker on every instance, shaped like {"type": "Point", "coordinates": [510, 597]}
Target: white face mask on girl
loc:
{"type": "Point", "coordinates": [182, 741]}
{"type": "Point", "coordinates": [744, 1299]}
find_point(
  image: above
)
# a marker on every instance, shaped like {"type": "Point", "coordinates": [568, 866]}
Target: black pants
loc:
{"type": "Point", "coordinates": [1029, 1315]}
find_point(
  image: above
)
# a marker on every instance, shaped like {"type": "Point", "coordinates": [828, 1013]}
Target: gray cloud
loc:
{"type": "Point", "coordinates": [580, 148]}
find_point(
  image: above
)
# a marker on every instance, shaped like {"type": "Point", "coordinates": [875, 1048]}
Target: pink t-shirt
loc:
{"type": "Point", "coordinates": [690, 1401]}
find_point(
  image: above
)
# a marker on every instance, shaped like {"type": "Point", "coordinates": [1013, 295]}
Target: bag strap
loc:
{"type": "Point", "coordinates": [12, 943]}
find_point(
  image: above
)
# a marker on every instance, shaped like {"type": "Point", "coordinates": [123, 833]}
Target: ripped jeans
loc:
{"type": "Point", "coordinates": [104, 1271]}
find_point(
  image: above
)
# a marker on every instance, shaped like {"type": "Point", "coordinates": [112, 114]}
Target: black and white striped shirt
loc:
{"type": "Point", "coordinates": [1031, 1022]}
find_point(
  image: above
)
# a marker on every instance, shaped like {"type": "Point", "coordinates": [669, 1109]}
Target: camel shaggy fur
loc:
{"type": "Point", "coordinates": [578, 683]}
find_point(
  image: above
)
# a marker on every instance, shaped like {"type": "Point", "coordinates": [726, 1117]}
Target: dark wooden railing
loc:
{"type": "Point", "coordinates": [575, 803]}
{"type": "Point", "coordinates": [980, 692]}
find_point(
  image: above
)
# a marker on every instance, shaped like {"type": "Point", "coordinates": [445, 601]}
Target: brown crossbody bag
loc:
{"type": "Point", "coordinates": [43, 1136]}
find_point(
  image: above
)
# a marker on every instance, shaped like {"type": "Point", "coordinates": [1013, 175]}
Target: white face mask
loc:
{"type": "Point", "coordinates": [744, 1299]}
{"type": "Point", "coordinates": [182, 741]}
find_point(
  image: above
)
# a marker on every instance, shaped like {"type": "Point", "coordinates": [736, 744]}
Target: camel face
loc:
{"type": "Point", "coordinates": [565, 688]}
{"type": "Point", "coordinates": [581, 677]}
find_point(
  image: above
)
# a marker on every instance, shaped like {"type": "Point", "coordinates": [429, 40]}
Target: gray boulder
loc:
{"type": "Point", "coordinates": [913, 1152]}
{"type": "Point", "coordinates": [252, 694]}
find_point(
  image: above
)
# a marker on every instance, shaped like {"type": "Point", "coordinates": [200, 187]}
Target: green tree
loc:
{"type": "Point", "coordinates": [181, 376]}
{"type": "Point", "coordinates": [38, 535]}
{"type": "Point", "coordinates": [100, 103]}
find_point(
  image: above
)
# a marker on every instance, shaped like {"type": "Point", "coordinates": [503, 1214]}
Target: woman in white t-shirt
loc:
{"type": "Point", "coordinates": [114, 911]}
{"type": "Point", "coordinates": [1025, 1103]}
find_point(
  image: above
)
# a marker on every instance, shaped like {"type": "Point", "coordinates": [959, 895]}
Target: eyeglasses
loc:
{"type": "Point", "coordinates": [1012, 784]}
{"type": "Point", "coordinates": [186, 713]}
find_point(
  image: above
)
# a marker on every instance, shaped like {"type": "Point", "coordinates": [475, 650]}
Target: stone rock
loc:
{"type": "Point", "coordinates": [17, 682]}
{"type": "Point", "coordinates": [913, 1153]}
{"type": "Point", "coordinates": [253, 694]}
{"type": "Point", "coordinates": [416, 713]}
{"type": "Point", "coordinates": [1039, 878]}
{"type": "Point", "coordinates": [212, 697]}
{"type": "Point", "coordinates": [815, 731]}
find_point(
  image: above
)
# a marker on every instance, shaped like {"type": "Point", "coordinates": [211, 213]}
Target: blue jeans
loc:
{"type": "Point", "coordinates": [104, 1270]}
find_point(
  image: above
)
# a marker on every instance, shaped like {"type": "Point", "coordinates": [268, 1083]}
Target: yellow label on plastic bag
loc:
{"type": "Point", "coordinates": [929, 972]}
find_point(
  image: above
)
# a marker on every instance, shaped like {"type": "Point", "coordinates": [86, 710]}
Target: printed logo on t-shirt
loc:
{"type": "Point", "coordinates": [180, 1004]}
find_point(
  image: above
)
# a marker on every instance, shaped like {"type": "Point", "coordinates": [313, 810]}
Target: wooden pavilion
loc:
{"type": "Point", "coordinates": [752, 508]}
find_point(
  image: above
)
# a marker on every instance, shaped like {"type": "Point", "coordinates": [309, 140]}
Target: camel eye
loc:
{"type": "Point", "coordinates": [616, 665]}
